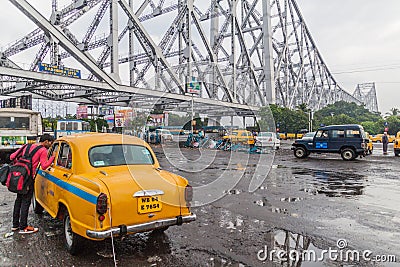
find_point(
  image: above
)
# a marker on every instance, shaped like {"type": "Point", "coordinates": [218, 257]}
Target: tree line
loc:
{"type": "Point", "coordinates": [292, 121]}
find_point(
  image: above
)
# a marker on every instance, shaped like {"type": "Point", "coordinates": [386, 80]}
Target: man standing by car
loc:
{"type": "Point", "coordinates": [385, 142]}
{"type": "Point", "coordinates": [23, 201]}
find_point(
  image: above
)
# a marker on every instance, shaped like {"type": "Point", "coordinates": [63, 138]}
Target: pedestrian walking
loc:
{"type": "Point", "coordinates": [23, 201]}
{"type": "Point", "coordinates": [385, 142]}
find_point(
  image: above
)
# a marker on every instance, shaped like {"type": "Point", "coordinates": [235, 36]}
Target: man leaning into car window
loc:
{"type": "Point", "coordinates": [22, 202]}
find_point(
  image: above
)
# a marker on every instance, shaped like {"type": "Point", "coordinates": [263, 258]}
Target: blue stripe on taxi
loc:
{"type": "Point", "coordinates": [70, 188]}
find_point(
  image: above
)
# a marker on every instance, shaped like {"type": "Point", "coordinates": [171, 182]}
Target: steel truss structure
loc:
{"type": "Point", "coordinates": [366, 93]}
{"type": "Point", "coordinates": [244, 53]}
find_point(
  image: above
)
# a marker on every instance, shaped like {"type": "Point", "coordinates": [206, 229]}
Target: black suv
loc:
{"type": "Point", "coordinates": [349, 141]}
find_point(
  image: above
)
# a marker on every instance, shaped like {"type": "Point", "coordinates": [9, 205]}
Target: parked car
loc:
{"type": "Point", "coordinates": [240, 136]}
{"type": "Point", "coordinates": [378, 138]}
{"type": "Point", "coordinates": [349, 141]}
{"type": "Point", "coordinates": [267, 139]}
{"type": "Point", "coordinates": [165, 134]}
{"type": "Point", "coordinates": [285, 136]}
{"type": "Point", "coordinates": [396, 145]}
{"type": "Point", "coordinates": [109, 184]}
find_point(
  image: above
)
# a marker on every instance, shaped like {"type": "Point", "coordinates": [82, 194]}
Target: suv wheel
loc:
{"type": "Point", "coordinates": [300, 152]}
{"type": "Point", "coordinates": [348, 154]}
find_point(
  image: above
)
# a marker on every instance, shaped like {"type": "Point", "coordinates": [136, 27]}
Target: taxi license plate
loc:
{"type": "Point", "coordinates": [149, 204]}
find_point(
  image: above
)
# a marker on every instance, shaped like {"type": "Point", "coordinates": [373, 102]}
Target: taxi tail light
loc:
{"type": "Point", "coordinates": [101, 206]}
{"type": "Point", "coordinates": [188, 193]}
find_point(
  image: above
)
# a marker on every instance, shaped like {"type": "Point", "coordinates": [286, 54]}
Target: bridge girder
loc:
{"type": "Point", "coordinates": [257, 52]}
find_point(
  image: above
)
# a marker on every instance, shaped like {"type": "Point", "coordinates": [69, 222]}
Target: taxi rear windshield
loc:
{"type": "Point", "coordinates": [114, 155]}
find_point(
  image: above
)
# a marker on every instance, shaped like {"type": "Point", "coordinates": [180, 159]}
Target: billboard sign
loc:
{"type": "Point", "coordinates": [59, 70]}
{"type": "Point", "coordinates": [82, 112]}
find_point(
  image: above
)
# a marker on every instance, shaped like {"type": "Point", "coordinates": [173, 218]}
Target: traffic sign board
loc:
{"type": "Point", "coordinates": [193, 87]}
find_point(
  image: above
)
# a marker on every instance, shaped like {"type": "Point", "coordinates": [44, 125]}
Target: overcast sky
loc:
{"type": "Point", "coordinates": [359, 40]}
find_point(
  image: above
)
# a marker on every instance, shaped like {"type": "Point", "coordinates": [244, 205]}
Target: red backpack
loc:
{"type": "Point", "coordinates": [20, 176]}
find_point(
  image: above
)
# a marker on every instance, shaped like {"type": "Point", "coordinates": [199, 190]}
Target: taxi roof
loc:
{"type": "Point", "coordinates": [91, 139]}
{"type": "Point", "coordinates": [81, 143]}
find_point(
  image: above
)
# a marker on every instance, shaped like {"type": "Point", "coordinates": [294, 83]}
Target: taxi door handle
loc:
{"type": "Point", "coordinates": [65, 175]}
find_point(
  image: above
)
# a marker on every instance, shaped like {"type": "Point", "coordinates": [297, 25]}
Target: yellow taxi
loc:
{"type": "Point", "coordinates": [240, 136]}
{"type": "Point", "coordinates": [109, 184]}
{"type": "Point", "coordinates": [285, 136]}
{"type": "Point", "coordinates": [370, 145]}
{"type": "Point", "coordinates": [396, 145]}
{"type": "Point", "coordinates": [378, 138]}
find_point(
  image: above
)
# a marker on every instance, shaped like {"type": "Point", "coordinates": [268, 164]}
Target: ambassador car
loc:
{"type": "Point", "coordinates": [109, 184]}
{"type": "Point", "coordinates": [267, 139]}
{"type": "Point", "coordinates": [240, 136]}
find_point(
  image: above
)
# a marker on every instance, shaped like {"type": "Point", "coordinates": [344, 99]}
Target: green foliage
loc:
{"type": "Point", "coordinates": [358, 113]}
{"type": "Point", "coordinates": [199, 123]}
{"type": "Point", "coordinates": [394, 124]}
{"type": "Point", "coordinates": [393, 112]}
{"type": "Point", "coordinates": [337, 120]}
{"type": "Point", "coordinates": [290, 121]}
{"type": "Point", "coordinates": [99, 122]}
{"type": "Point", "coordinates": [372, 127]}
{"type": "Point", "coordinates": [341, 112]}
{"type": "Point", "coordinates": [349, 113]}
{"type": "Point", "coordinates": [176, 120]}
{"type": "Point", "coordinates": [49, 123]}
{"type": "Point", "coordinates": [139, 121]}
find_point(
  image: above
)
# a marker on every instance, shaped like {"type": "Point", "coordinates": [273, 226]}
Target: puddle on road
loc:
{"type": "Point", "coordinates": [233, 192]}
{"type": "Point", "coordinates": [332, 184]}
{"type": "Point", "coordinates": [289, 243]}
{"type": "Point", "coordinates": [229, 221]}
{"type": "Point", "coordinates": [221, 262]}
{"type": "Point", "coordinates": [264, 203]}
{"type": "Point", "coordinates": [301, 250]}
{"type": "Point", "coordinates": [291, 199]}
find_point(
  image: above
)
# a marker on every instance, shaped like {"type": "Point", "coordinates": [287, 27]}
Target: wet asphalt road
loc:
{"type": "Point", "coordinates": [309, 203]}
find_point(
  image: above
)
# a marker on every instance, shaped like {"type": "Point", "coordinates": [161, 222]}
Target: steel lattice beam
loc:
{"type": "Point", "coordinates": [257, 51]}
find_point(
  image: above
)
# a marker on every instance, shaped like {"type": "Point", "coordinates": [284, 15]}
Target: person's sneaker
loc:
{"type": "Point", "coordinates": [14, 228]}
{"type": "Point", "coordinates": [29, 230]}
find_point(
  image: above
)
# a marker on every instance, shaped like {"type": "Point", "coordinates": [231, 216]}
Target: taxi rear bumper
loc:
{"type": "Point", "coordinates": [143, 227]}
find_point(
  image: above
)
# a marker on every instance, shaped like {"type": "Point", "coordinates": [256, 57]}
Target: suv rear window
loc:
{"type": "Point", "coordinates": [114, 155]}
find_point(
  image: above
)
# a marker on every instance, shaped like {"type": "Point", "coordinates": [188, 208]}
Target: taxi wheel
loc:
{"type": "Point", "coordinates": [300, 152]}
{"type": "Point", "coordinates": [37, 208]}
{"type": "Point", "coordinates": [72, 241]}
{"type": "Point", "coordinates": [348, 154]}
